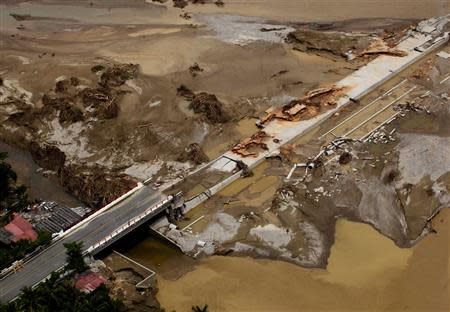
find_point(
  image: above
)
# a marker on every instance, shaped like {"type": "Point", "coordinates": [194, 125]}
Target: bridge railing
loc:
{"type": "Point", "coordinates": [128, 224]}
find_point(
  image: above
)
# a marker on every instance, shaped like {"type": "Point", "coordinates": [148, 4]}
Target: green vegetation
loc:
{"type": "Point", "coordinates": [16, 251]}
{"type": "Point", "coordinates": [60, 295]}
{"type": "Point", "coordinates": [13, 198]}
{"type": "Point", "coordinates": [54, 295]}
{"type": "Point", "coordinates": [75, 257]}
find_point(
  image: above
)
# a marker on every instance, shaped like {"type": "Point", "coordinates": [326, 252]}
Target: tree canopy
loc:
{"type": "Point", "coordinates": [54, 295]}
{"type": "Point", "coordinates": [13, 198]}
{"type": "Point", "coordinates": [75, 259]}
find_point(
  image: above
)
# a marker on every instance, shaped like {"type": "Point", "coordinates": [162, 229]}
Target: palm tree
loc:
{"type": "Point", "coordinates": [29, 301]}
{"type": "Point", "coordinates": [75, 257]}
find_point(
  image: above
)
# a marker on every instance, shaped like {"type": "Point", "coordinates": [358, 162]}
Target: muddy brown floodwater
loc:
{"type": "Point", "coordinates": [366, 272]}
{"type": "Point", "coordinates": [39, 186]}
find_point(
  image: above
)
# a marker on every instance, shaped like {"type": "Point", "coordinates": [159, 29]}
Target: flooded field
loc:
{"type": "Point", "coordinates": [361, 276]}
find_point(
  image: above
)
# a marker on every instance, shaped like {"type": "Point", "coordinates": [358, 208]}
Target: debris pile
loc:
{"type": "Point", "coordinates": [70, 114]}
{"type": "Point", "coordinates": [94, 185]}
{"type": "Point", "coordinates": [195, 69]}
{"type": "Point", "coordinates": [379, 46]}
{"type": "Point", "coordinates": [208, 105]}
{"type": "Point", "coordinates": [381, 136]}
{"type": "Point", "coordinates": [247, 146]}
{"type": "Point", "coordinates": [204, 103]}
{"type": "Point", "coordinates": [185, 92]}
{"type": "Point", "coordinates": [345, 158]}
{"type": "Point", "coordinates": [306, 107]}
{"type": "Point", "coordinates": [118, 74]}
{"type": "Point", "coordinates": [47, 156]}
{"type": "Point", "coordinates": [194, 154]}
{"type": "Point", "coordinates": [423, 72]}
{"type": "Point", "coordinates": [72, 104]}
{"type": "Point", "coordinates": [408, 106]}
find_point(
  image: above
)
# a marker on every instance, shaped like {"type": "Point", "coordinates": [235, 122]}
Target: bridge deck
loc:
{"type": "Point", "coordinates": [54, 257]}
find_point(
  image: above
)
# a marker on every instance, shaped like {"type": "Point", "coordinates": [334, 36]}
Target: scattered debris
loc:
{"type": "Point", "coordinates": [195, 70]}
{"type": "Point", "coordinates": [286, 151]}
{"type": "Point", "coordinates": [186, 15]}
{"type": "Point", "coordinates": [424, 70]}
{"type": "Point", "coordinates": [349, 55]}
{"type": "Point", "coordinates": [246, 172]}
{"type": "Point", "coordinates": [94, 185]}
{"type": "Point", "coordinates": [246, 146]}
{"type": "Point", "coordinates": [47, 156]}
{"type": "Point", "coordinates": [408, 106]}
{"type": "Point", "coordinates": [306, 107]}
{"type": "Point", "coordinates": [345, 158]}
{"type": "Point", "coordinates": [314, 164]}
{"type": "Point", "coordinates": [379, 46]}
{"type": "Point", "coordinates": [208, 105]}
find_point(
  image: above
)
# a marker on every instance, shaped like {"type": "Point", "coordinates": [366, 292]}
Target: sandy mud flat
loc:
{"type": "Point", "coordinates": [105, 94]}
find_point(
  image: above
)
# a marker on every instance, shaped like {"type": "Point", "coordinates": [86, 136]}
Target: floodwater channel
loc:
{"type": "Point", "coordinates": [366, 272]}
{"type": "Point", "coordinates": [39, 186]}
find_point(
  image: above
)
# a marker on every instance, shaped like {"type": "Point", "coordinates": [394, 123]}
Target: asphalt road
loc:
{"type": "Point", "coordinates": [54, 257]}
